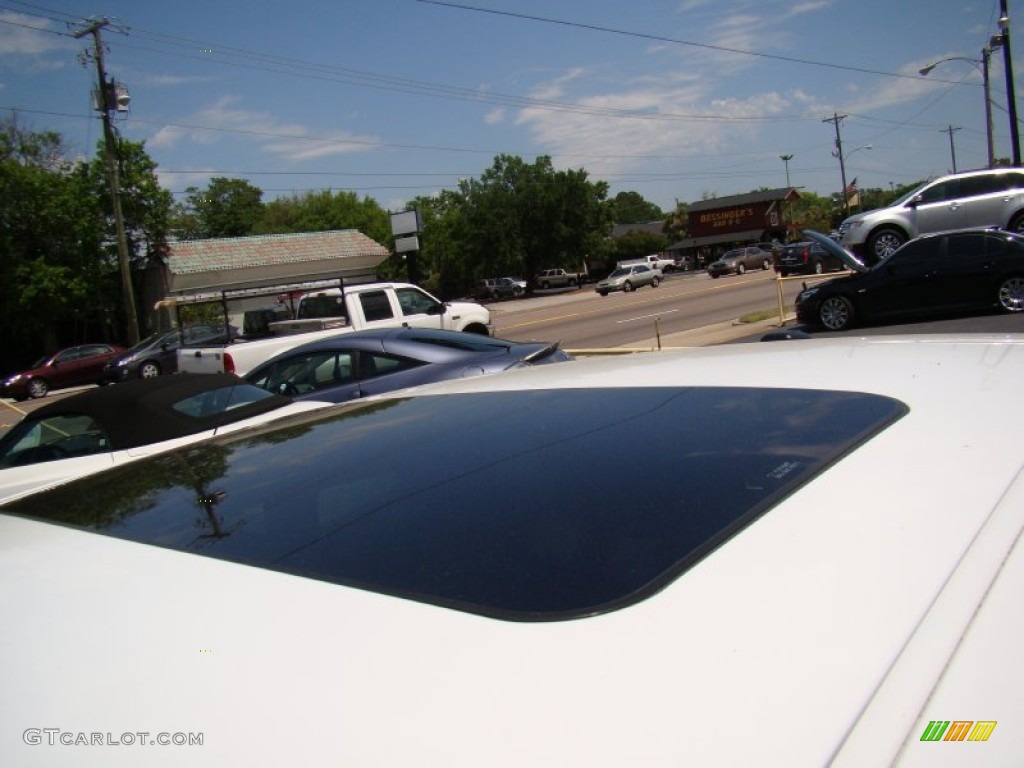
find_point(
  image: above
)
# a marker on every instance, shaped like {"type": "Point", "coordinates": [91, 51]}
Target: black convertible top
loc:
{"type": "Point", "coordinates": [139, 412]}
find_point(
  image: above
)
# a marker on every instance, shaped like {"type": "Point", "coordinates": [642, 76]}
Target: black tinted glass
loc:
{"type": "Point", "coordinates": [533, 505]}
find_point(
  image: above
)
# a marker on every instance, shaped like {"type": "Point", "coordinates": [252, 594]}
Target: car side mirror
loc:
{"type": "Point", "coordinates": [914, 201]}
{"type": "Point", "coordinates": [438, 309]}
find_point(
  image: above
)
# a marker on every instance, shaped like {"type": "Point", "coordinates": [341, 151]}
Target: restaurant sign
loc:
{"type": "Point", "coordinates": [737, 218]}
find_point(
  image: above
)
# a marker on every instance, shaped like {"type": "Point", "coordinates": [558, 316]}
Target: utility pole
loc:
{"type": "Point", "coordinates": [1011, 98]}
{"type": "Point", "coordinates": [952, 148]}
{"type": "Point", "coordinates": [113, 179]}
{"type": "Point", "coordinates": [838, 152]}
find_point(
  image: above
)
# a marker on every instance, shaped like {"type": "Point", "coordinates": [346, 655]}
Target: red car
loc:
{"type": "Point", "coordinates": [68, 368]}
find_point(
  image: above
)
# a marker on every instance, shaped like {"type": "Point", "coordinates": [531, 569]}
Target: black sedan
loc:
{"type": "Point", "coordinates": [353, 365]}
{"type": "Point", "coordinates": [944, 272]}
{"type": "Point", "coordinates": [806, 258]}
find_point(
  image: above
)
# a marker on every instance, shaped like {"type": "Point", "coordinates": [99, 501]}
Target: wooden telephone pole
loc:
{"type": "Point", "coordinates": [114, 180]}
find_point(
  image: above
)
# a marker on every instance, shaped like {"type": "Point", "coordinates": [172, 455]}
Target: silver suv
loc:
{"type": "Point", "coordinates": [972, 199]}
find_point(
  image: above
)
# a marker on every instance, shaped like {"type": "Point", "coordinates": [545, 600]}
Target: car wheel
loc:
{"type": "Point", "coordinates": [818, 267]}
{"type": "Point", "coordinates": [714, 275]}
{"type": "Point", "coordinates": [1017, 223]}
{"type": "Point", "coordinates": [885, 241]}
{"type": "Point", "coordinates": [766, 264]}
{"type": "Point", "coordinates": [654, 282]}
{"type": "Point", "coordinates": [783, 273]}
{"type": "Point", "coordinates": [603, 293]}
{"type": "Point", "coordinates": [149, 370]}
{"type": "Point", "coordinates": [1011, 294]}
{"type": "Point", "coordinates": [836, 313]}
{"type": "Point", "coordinates": [545, 286]}
{"type": "Point", "coordinates": [740, 269]}
{"type": "Point", "coordinates": [627, 286]}
{"type": "Point", "coordinates": [38, 388]}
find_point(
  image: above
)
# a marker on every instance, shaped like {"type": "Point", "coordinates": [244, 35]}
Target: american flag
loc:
{"type": "Point", "coordinates": [851, 188]}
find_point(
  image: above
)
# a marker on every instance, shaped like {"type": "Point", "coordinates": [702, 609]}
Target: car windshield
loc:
{"type": "Point", "coordinates": [154, 340]}
{"type": "Point", "coordinates": [620, 273]}
{"type": "Point", "coordinates": [629, 489]}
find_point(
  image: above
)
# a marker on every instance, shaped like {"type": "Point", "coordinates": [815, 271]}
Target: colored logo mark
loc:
{"type": "Point", "coordinates": [958, 730]}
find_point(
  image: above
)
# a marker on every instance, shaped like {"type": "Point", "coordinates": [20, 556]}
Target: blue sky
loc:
{"type": "Point", "coordinates": [675, 99]}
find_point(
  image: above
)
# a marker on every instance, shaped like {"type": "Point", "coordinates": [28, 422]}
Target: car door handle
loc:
{"type": "Point", "coordinates": [954, 206]}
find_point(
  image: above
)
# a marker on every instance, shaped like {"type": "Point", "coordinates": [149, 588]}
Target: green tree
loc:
{"type": "Point", "coordinates": [677, 223]}
{"type": "Point", "coordinates": [811, 211]}
{"type": "Point", "coordinates": [323, 211]}
{"type": "Point", "coordinates": [633, 245]}
{"type": "Point", "coordinates": [632, 208]}
{"type": "Point", "coordinates": [54, 276]}
{"type": "Point", "coordinates": [224, 208]}
{"type": "Point", "coordinates": [520, 217]}
{"type": "Point", "coordinates": [145, 205]}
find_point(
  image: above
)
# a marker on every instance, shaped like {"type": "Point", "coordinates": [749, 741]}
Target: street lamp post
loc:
{"type": "Point", "coordinates": [786, 159]}
{"type": "Point", "coordinates": [986, 52]}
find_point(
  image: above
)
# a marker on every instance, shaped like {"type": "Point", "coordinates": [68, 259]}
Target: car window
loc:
{"type": "Point", "coordinates": [1013, 180]}
{"type": "Point", "coordinates": [92, 350]}
{"type": "Point", "coordinates": [322, 305]}
{"type": "Point", "coordinates": [968, 245]}
{"type": "Point", "coordinates": [306, 372]}
{"type": "Point", "coordinates": [919, 251]}
{"type": "Point", "coordinates": [985, 184]}
{"type": "Point", "coordinates": [373, 364]}
{"type": "Point", "coordinates": [386, 497]}
{"type": "Point", "coordinates": [68, 355]}
{"type": "Point", "coordinates": [221, 400]}
{"type": "Point", "coordinates": [944, 190]}
{"type": "Point", "coordinates": [415, 302]}
{"type": "Point", "coordinates": [376, 305]}
{"type": "Point", "coordinates": [55, 437]}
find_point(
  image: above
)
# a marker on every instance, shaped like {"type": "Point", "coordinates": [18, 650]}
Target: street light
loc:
{"type": "Point", "coordinates": [986, 52]}
{"type": "Point", "coordinates": [786, 159]}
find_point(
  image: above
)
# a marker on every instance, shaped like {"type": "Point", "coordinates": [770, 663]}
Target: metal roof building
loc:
{"type": "Point", "coordinates": [196, 266]}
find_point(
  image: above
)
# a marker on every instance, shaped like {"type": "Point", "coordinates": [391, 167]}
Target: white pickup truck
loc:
{"type": "Point", "coordinates": [328, 312]}
{"type": "Point", "coordinates": [654, 261]}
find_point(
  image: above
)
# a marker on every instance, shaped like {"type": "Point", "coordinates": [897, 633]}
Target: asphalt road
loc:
{"type": "Point", "coordinates": [584, 319]}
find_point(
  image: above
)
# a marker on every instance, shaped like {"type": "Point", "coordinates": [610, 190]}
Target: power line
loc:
{"type": "Point", "coordinates": [662, 39]}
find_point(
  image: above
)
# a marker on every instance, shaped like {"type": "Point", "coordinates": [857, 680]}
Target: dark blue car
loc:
{"type": "Point", "coordinates": [353, 365]}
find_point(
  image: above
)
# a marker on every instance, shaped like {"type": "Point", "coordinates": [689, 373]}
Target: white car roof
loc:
{"type": "Point", "coordinates": [880, 596]}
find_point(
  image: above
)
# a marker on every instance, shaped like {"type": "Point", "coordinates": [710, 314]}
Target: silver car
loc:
{"type": "Point", "coordinates": [960, 200]}
{"type": "Point", "coordinates": [628, 278]}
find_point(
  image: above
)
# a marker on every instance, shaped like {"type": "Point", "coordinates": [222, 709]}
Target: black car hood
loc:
{"type": "Point", "coordinates": [834, 248]}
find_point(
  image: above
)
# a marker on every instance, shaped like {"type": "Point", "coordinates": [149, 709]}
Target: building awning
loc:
{"type": "Point", "coordinates": [749, 235]}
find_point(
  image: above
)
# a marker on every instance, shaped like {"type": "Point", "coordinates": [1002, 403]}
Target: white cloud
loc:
{"type": "Point", "coordinates": [172, 80]}
{"type": "Point", "coordinates": [495, 116]}
{"type": "Point", "coordinates": [291, 141]}
{"type": "Point", "coordinates": [22, 35]}
{"type": "Point", "coordinates": [607, 144]}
